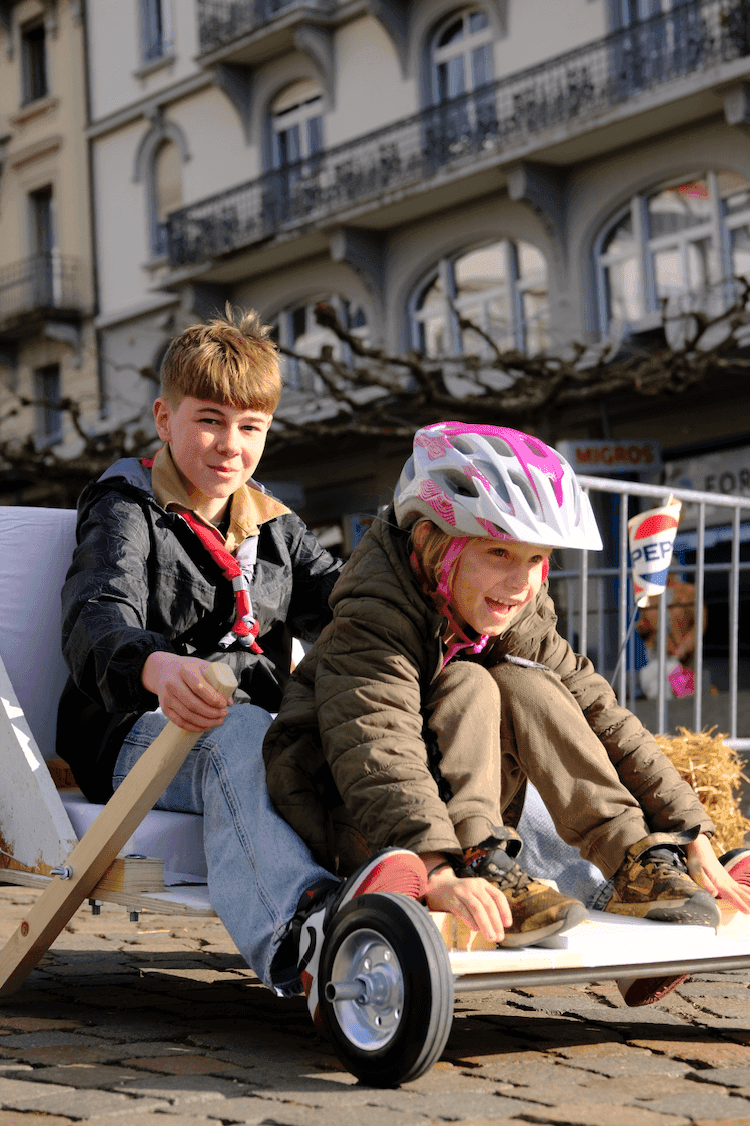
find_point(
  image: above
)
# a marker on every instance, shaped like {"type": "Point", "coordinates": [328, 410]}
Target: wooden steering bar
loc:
{"type": "Point", "coordinates": [99, 846]}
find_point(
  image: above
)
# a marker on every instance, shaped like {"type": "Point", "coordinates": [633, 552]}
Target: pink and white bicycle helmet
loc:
{"type": "Point", "coordinates": [497, 482]}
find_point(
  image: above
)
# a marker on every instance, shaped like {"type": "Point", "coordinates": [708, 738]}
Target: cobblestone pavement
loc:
{"type": "Point", "coordinates": [130, 1023]}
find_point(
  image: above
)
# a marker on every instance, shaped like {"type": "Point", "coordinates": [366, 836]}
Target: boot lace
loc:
{"type": "Point", "coordinates": [507, 875]}
{"type": "Point", "coordinates": [664, 861]}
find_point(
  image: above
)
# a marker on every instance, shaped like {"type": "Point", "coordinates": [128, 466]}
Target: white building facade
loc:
{"type": "Point", "coordinates": [552, 169]}
{"type": "Point", "coordinates": [47, 346]}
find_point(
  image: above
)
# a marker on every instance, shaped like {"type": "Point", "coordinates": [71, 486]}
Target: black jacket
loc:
{"type": "Point", "coordinates": [141, 582]}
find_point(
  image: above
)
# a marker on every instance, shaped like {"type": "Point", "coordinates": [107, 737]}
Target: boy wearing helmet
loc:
{"type": "Point", "coordinates": [442, 687]}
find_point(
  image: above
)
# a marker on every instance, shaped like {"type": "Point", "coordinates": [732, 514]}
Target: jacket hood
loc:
{"type": "Point", "coordinates": [132, 472]}
{"type": "Point", "coordinates": [379, 569]}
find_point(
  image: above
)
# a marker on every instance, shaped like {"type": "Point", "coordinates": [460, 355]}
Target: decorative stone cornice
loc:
{"type": "Point", "coordinates": [28, 155]}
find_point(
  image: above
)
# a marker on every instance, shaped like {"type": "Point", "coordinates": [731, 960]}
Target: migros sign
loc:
{"type": "Point", "coordinates": [612, 456]}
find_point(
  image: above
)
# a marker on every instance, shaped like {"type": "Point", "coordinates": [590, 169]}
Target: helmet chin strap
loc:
{"type": "Point", "coordinates": [442, 599]}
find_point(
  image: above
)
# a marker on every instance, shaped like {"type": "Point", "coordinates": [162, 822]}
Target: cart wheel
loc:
{"type": "Point", "coordinates": [386, 993]}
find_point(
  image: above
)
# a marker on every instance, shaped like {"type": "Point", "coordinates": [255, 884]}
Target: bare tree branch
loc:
{"type": "Point", "coordinates": [356, 389]}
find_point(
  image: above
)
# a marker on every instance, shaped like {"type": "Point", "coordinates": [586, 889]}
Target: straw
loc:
{"type": "Point", "coordinates": [714, 770]}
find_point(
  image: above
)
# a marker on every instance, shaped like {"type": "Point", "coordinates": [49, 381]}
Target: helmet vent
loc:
{"type": "Point", "coordinates": [463, 445]}
{"type": "Point", "coordinates": [536, 447]}
{"type": "Point", "coordinates": [522, 484]}
{"type": "Point", "coordinates": [490, 471]}
{"type": "Point", "coordinates": [455, 484]}
{"type": "Point", "coordinates": [499, 445]}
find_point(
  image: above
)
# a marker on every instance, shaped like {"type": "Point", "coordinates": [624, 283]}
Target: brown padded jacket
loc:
{"type": "Point", "coordinates": [346, 758]}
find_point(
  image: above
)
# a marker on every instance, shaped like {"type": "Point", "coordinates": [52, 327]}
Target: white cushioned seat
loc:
{"type": "Point", "coordinates": [36, 545]}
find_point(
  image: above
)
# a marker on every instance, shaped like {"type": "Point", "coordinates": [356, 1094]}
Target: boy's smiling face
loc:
{"type": "Point", "coordinates": [494, 580]}
{"type": "Point", "coordinates": [215, 447]}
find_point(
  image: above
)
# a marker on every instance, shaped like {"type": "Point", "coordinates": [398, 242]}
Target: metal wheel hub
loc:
{"type": "Point", "coordinates": [367, 990]}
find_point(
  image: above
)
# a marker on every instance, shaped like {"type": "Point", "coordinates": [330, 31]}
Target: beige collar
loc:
{"type": "Point", "coordinates": [250, 507]}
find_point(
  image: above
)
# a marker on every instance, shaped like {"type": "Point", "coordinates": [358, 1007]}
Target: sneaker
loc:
{"type": "Point", "coordinates": [639, 991]}
{"type": "Point", "coordinates": [392, 870]}
{"type": "Point", "coordinates": [537, 909]}
{"type": "Point", "coordinates": [653, 883]}
{"type": "Point", "coordinates": [737, 863]}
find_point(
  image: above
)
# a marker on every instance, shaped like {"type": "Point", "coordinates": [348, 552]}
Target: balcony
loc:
{"type": "Point", "coordinates": [551, 112]}
{"type": "Point", "coordinates": [223, 24]}
{"type": "Point", "coordinates": [41, 288]}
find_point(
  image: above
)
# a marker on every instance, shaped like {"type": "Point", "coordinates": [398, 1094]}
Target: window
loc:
{"type": "Point", "coordinates": [48, 413]}
{"type": "Point", "coordinates": [296, 139]}
{"type": "Point", "coordinates": [33, 63]}
{"type": "Point", "coordinates": [654, 48]}
{"type": "Point", "coordinates": [501, 288]}
{"type": "Point", "coordinates": [45, 264]}
{"type": "Point", "coordinates": [464, 117]}
{"type": "Point", "coordinates": [296, 117]}
{"type": "Point", "coordinates": [166, 193]}
{"type": "Point", "coordinates": [682, 243]}
{"type": "Point", "coordinates": [628, 12]}
{"type": "Point", "coordinates": [461, 55]}
{"type": "Point", "coordinates": [156, 31]}
{"type": "Point", "coordinates": [299, 331]}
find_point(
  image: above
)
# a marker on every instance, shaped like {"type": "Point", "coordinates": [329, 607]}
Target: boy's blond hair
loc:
{"type": "Point", "coordinates": [231, 360]}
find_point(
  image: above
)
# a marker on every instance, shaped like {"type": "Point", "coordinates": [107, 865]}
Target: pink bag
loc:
{"type": "Point", "coordinates": [682, 681]}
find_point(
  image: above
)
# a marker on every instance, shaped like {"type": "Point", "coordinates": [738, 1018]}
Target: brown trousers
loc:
{"type": "Point", "coordinates": [497, 727]}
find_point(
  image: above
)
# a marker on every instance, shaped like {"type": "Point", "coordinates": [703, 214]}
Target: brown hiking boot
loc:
{"type": "Point", "coordinates": [653, 883]}
{"type": "Point", "coordinates": [538, 910]}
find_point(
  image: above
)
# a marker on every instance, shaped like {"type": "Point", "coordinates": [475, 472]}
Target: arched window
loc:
{"type": "Point", "coordinates": [296, 139]}
{"type": "Point", "coordinates": [299, 331]}
{"type": "Point", "coordinates": [297, 123]}
{"type": "Point", "coordinates": [463, 119]}
{"type": "Point", "coordinates": [501, 288]}
{"type": "Point", "coordinates": [461, 54]}
{"type": "Point", "coordinates": [166, 193]}
{"type": "Point", "coordinates": [683, 242]}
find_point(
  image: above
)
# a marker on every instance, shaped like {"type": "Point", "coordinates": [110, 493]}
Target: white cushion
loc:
{"type": "Point", "coordinates": [175, 837]}
{"type": "Point", "coordinates": [36, 545]}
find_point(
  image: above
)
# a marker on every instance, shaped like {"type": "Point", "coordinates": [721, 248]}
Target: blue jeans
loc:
{"type": "Point", "coordinates": [257, 866]}
{"type": "Point", "coordinates": [546, 855]}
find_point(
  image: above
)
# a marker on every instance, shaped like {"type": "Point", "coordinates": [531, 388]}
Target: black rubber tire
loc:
{"type": "Point", "coordinates": [398, 1036]}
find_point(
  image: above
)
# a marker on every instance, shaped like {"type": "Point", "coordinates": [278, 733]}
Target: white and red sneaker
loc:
{"type": "Point", "coordinates": [392, 870]}
{"type": "Point", "coordinates": [737, 863]}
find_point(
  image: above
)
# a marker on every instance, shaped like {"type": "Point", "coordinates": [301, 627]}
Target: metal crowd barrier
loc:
{"type": "Point", "coordinates": [596, 605]}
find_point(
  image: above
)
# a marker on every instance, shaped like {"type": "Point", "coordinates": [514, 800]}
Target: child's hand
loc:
{"type": "Point", "coordinates": [481, 905]}
{"type": "Point", "coordinates": [185, 696]}
{"type": "Point", "coordinates": [703, 865]}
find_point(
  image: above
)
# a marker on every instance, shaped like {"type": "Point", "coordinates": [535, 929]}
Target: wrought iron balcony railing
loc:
{"type": "Point", "coordinates": [43, 282]}
{"type": "Point", "coordinates": [570, 90]}
{"type": "Point", "coordinates": [220, 22]}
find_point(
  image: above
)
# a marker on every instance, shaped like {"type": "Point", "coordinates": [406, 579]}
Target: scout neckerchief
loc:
{"type": "Point", "coordinates": [245, 628]}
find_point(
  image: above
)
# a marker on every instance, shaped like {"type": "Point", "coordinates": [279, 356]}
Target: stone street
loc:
{"type": "Point", "coordinates": [132, 1022]}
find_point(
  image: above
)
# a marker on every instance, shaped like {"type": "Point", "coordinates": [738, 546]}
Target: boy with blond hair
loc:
{"type": "Point", "coordinates": [183, 559]}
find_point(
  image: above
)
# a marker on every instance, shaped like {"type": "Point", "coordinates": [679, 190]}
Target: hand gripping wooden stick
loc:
{"type": "Point", "coordinates": [96, 850]}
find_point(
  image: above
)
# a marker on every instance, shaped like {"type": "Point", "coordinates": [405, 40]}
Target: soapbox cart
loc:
{"type": "Point", "coordinates": [389, 968]}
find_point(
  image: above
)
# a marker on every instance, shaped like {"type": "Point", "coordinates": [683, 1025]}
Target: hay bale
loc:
{"type": "Point", "coordinates": [714, 770]}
